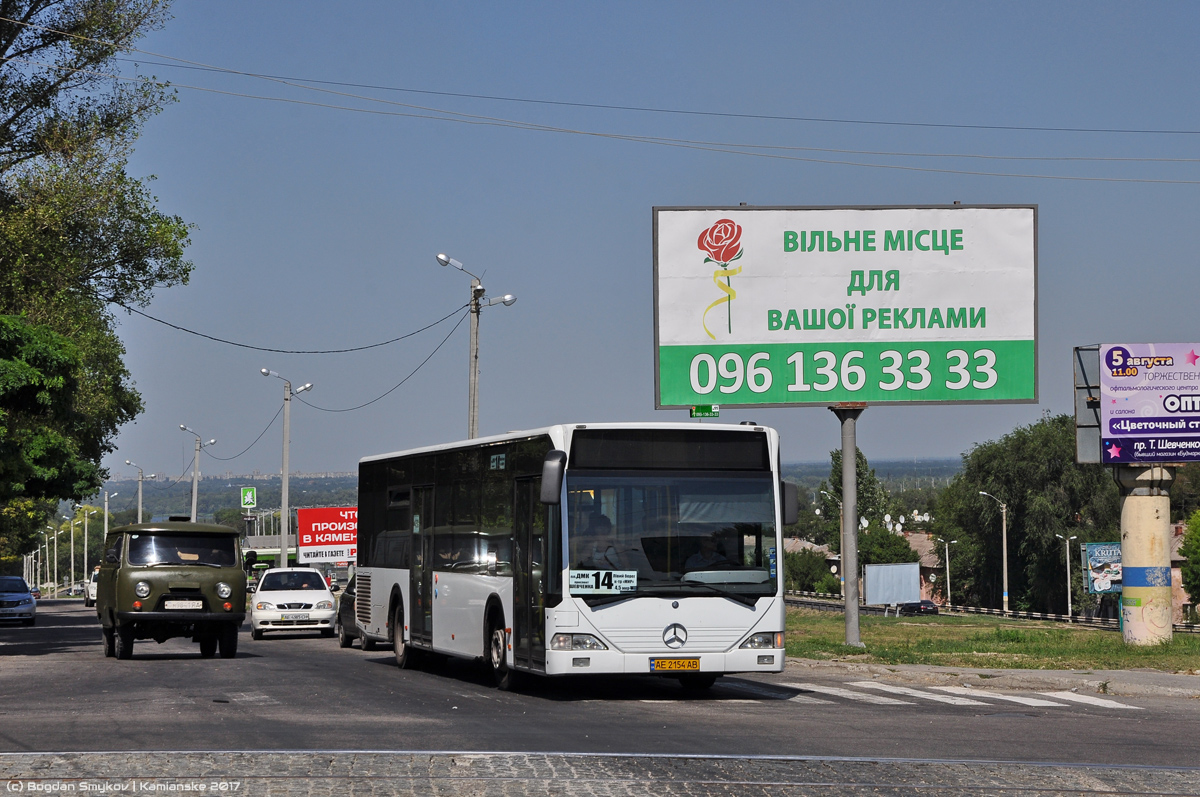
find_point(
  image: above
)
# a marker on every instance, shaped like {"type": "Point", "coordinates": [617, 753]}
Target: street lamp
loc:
{"type": "Point", "coordinates": [195, 474]}
{"type": "Point", "coordinates": [1067, 550]}
{"type": "Point", "coordinates": [86, 572]}
{"type": "Point", "coordinates": [947, 544]}
{"type": "Point", "coordinates": [478, 302]}
{"type": "Point", "coordinates": [1003, 545]}
{"type": "Point", "coordinates": [284, 518]}
{"type": "Point", "coordinates": [139, 470]}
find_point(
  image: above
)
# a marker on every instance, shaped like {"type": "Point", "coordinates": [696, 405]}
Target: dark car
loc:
{"type": "Point", "coordinates": [346, 628]}
{"type": "Point", "coordinates": [918, 607]}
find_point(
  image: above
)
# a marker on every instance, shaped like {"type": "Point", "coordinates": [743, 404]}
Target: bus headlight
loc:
{"type": "Point", "coordinates": [141, 589]}
{"type": "Point", "coordinates": [576, 642]}
{"type": "Point", "coordinates": [224, 590]}
{"type": "Point", "coordinates": [764, 640]}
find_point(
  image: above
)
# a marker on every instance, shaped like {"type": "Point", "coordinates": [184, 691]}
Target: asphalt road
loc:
{"type": "Point", "coordinates": [59, 694]}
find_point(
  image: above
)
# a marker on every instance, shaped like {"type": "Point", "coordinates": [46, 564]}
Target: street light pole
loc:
{"type": "Point", "coordinates": [1003, 545]}
{"type": "Point", "coordinates": [195, 472]}
{"type": "Point", "coordinates": [139, 470]}
{"type": "Point", "coordinates": [285, 527]}
{"type": "Point", "coordinates": [947, 544]}
{"type": "Point", "coordinates": [1067, 550]}
{"type": "Point", "coordinates": [842, 575]}
{"type": "Point", "coordinates": [86, 572]}
{"type": "Point", "coordinates": [477, 304]}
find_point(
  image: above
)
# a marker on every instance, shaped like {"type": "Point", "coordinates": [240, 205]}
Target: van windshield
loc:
{"type": "Point", "coordinates": [182, 549]}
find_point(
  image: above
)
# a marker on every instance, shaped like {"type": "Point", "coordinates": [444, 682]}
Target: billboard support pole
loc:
{"type": "Point", "coordinates": [1145, 553]}
{"type": "Point", "coordinates": [847, 414]}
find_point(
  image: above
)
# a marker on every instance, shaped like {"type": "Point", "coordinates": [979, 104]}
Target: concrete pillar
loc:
{"type": "Point", "coordinates": [1145, 553]}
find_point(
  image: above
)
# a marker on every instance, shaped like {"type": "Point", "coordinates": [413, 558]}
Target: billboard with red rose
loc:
{"type": "Point", "coordinates": [886, 305]}
{"type": "Point", "coordinates": [327, 534]}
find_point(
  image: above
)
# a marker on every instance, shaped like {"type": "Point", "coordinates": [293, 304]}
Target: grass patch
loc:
{"type": "Point", "coordinates": [981, 641]}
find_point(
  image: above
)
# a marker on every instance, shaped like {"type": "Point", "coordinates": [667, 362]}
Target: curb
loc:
{"type": "Point", "coordinates": [1106, 682]}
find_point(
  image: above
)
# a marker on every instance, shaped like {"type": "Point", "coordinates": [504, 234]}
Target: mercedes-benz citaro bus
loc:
{"type": "Point", "coordinates": [641, 548]}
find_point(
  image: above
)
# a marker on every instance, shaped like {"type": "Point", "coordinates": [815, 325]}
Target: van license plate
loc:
{"type": "Point", "coordinates": [675, 665]}
{"type": "Point", "coordinates": [183, 604]}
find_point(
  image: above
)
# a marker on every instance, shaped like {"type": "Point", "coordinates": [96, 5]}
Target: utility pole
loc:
{"type": "Point", "coordinates": [139, 470]}
{"type": "Point", "coordinates": [285, 527]}
{"type": "Point", "coordinates": [1003, 546]}
{"type": "Point", "coordinates": [195, 472]}
{"type": "Point", "coordinates": [848, 414]}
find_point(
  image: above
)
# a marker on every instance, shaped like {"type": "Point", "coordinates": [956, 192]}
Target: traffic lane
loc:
{"type": "Point", "coordinates": [303, 692]}
{"type": "Point", "coordinates": [63, 626]}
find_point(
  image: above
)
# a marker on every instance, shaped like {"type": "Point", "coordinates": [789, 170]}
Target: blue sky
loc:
{"type": "Point", "coordinates": [317, 227]}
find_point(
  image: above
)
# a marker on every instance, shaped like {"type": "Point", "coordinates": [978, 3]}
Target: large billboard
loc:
{"type": "Point", "coordinates": [1149, 402]}
{"type": "Point", "coordinates": [887, 305]}
{"type": "Point", "coordinates": [327, 534]}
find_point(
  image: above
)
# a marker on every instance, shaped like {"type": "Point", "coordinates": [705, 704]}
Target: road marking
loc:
{"type": "Point", "coordinates": [755, 689]}
{"type": "Point", "coordinates": [837, 691]}
{"type": "Point", "coordinates": [1090, 700]}
{"type": "Point", "coordinates": [904, 690]}
{"type": "Point", "coordinates": [1025, 701]}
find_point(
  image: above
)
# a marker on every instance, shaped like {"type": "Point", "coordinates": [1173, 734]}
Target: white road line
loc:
{"type": "Point", "coordinates": [1025, 701]}
{"type": "Point", "coordinates": [1089, 699]}
{"type": "Point", "coordinates": [754, 689]}
{"type": "Point", "coordinates": [837, 691]}
{"type": "Point", "coordinates": [904, 690]}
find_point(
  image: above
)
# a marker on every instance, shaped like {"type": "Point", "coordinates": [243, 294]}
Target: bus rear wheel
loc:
{"type": "Point", "coordinates": [400, 649]}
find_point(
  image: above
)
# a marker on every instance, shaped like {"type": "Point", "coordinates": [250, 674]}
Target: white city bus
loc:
{"type": "Point", "coordinates": [574, 549]}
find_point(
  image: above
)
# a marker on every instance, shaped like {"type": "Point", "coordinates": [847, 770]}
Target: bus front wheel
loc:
{"type": "Point", "coordinates": [497, 654]}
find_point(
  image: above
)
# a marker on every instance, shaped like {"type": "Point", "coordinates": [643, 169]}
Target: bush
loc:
{"type": "Point", "coordinates": [803, 569]}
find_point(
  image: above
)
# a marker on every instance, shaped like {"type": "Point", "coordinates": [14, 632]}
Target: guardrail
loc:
{"type": "Point", "coordinates": [830, 602]}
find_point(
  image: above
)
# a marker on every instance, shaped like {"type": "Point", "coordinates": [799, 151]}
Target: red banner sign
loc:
{"type": "Point", "coordinates": [327, 534]}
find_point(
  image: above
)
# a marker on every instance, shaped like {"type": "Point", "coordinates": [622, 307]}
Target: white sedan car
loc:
{"type": "Point", "coordinates": [292, 599]}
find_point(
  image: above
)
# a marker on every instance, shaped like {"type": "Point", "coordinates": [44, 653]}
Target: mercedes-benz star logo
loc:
{"type": "Point", "coordinates": [674, 636]}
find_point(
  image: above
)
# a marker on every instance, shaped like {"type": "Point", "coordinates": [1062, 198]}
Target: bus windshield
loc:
{"type": "Point", "coordinates": [654, 533]}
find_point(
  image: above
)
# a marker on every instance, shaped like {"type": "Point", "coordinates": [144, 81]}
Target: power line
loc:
{"type": "Point", "coordinates": [402, 381]}
{"type": "Point", "coordinates": [247, 448]}
{"type": "Point", "coordinates": [285, 351]}
{"type": "Point", "coordinates": [183, 64]}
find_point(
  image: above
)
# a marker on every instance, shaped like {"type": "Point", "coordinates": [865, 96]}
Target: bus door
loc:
{"type": "Point", "coordinates": [420, 615]}
{"type": "Point", "coordinates": [529, 575]}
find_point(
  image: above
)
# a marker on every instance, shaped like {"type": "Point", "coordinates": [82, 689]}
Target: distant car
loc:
{"type": "Point", "coordinates": [344, 625]}
{"type": "Point", "coordinates": [918, 607]}
{"type": "Point", "coordinates": [89, 596]}
{"type": "Point", "coordinates": [292, 599]}
{"type": "Point", "coordinates": [17, 601]}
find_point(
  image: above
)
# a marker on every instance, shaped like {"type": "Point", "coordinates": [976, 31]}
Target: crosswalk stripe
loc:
{"type": "Point", "coordinates": [837, 691]}
{"type": "Point", "coordinates": [1025, 701]}
{"type": "Point", "coordinates": [904, 690]}
{"type": "Point", "coordinates": [1090, 700]}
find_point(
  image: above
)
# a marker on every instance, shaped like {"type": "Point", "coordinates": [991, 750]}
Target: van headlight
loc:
{"type": "Point", "coordinates": [576, 642]}
{"type": "Point", "coordinates": [141, 589]}
{"type": "Point", "coordinates": [324, 604]}
{"type": "Point", "coordinates": [224, 590]}
{"type": "Point", "coordinates": [764, 640]}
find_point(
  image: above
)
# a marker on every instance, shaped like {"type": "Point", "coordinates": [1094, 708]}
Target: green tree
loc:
{"type": "Point", "coordinates": [878, 546]}
{"type": "Point", "coordinates": [1033, 470]}
{"type": "Point", "coordinates": [803, 569]}
{"type": "Point", "coordinates": [78, 235]}
{"type": "Point", "coordinates": [1191, 549]}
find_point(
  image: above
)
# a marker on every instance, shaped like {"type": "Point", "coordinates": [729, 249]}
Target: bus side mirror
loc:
{"type": "Point", "coordinates": [553, 468]}
{"type": "Point", "coordinates": [791, 503]}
